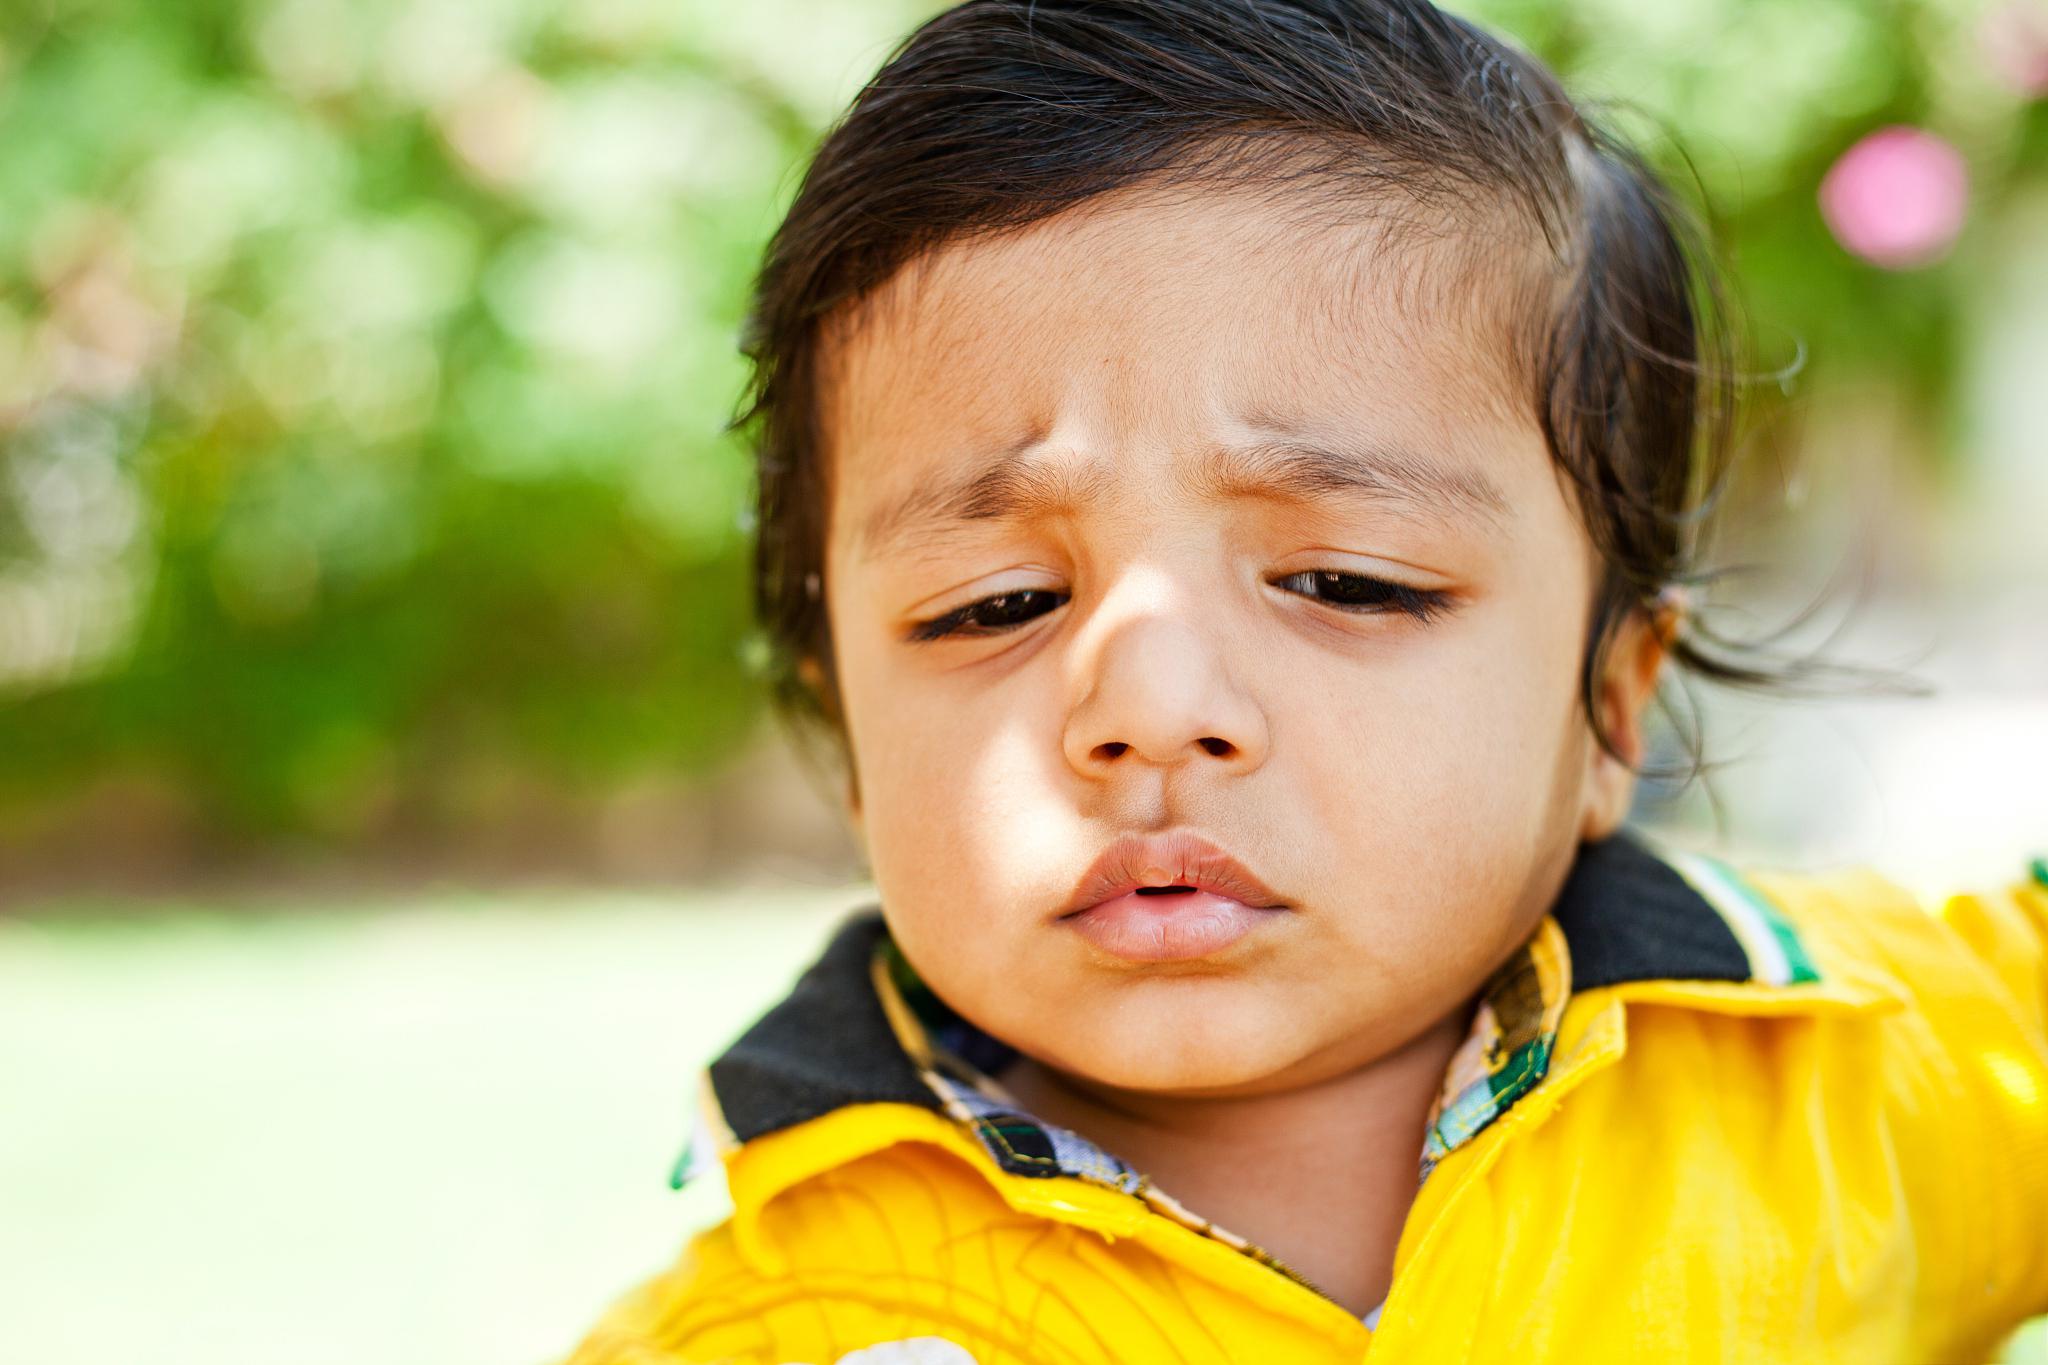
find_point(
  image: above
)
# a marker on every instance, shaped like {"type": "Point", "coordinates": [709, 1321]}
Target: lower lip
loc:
{"type": "Point", "coordinates": [1188, 924]}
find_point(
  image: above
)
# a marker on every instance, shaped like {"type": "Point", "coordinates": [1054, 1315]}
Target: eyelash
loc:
{"type": "Point", "coordinates": [1423, 604]}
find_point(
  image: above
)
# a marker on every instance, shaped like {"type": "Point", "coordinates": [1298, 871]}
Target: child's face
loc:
{"type": "Point", "coordinates": [1414, 787]}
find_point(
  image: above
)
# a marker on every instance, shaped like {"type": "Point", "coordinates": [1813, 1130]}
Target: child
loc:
{"type": "Point", "coordinates": [1226, 472]}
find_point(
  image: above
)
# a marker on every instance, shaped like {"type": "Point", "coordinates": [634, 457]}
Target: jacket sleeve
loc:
{"type": "Point", "coordinates": [2008, 932]}
{"type": "Point", "coordinates": [1999, 1046]}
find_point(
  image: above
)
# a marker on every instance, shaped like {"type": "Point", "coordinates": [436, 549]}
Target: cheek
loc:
{"type": "Point", "coordinates": [957, 780]}
{"type": "Point", "coordinates": [966, 797]}
{"type": "Point", "coordinates": [1451, 736]}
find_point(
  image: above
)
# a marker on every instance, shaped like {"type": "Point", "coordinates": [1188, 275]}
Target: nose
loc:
{"type": "Point", "coordinates": [1160, 691]}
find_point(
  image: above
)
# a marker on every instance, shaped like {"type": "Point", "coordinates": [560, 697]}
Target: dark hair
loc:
{"type": "Point", "coordinates": [999, 113]}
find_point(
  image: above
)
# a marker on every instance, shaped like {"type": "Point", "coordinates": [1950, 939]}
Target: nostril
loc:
{"type": "Point", "coordinates": [1112, 749]}
{"type": "Point", "coordinates": [1218, 747]}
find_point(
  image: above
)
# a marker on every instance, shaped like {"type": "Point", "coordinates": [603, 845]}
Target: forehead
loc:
{"type": "Point", "coordinates": [1181, 319]}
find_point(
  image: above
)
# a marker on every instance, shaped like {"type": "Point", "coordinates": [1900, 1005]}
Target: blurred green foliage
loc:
{"type": "Point", "coordinates": [364, 363]}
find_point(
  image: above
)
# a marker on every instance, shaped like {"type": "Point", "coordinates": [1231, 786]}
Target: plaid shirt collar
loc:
{"type": "Point", "coordinates": [861, 1026]}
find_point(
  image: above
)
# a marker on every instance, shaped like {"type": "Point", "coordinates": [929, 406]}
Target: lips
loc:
{"type": "Point", "coordinates": [1168, 897]}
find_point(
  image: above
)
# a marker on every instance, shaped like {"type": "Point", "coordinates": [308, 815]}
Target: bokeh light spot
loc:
{"type": "Point", "coordinates": [1897, 198]}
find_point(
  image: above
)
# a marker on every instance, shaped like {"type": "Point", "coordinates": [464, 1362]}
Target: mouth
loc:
{"type": "Point", "coordinates": [1168, 898]}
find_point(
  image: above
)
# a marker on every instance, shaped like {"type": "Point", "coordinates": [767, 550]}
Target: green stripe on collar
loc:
{"type": "Point", "coordinates": [1777, 957]}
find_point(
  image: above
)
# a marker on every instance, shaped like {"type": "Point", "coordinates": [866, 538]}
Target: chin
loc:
{"type": "Point", "coordinates": [1213, 1052]}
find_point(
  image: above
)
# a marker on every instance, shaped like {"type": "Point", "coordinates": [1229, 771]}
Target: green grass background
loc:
{"type": "Point", "coordinates": [425, 1133]}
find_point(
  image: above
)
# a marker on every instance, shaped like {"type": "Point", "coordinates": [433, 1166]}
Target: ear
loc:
{"type": "Point", "coordinates": [1627, 682]}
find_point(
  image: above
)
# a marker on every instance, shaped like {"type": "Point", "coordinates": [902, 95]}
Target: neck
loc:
{"type": "Point", "coordinates": [1320, 1175]}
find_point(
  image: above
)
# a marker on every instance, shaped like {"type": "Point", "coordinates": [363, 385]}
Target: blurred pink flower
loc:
{"type": "Point", "coordinates": [1897, 198]}
{"type": "Point", "coordinates": [2014, 37]}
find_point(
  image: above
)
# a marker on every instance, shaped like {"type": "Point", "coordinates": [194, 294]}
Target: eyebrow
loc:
{"type": "Point", "coordinates": [1013, 486]}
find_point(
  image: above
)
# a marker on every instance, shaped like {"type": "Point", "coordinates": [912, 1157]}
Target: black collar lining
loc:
{"type": "Point", "coordinates": [1628, 915]}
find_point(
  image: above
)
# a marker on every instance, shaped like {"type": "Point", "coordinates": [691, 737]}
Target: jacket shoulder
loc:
{"type": "Point", "coordinates": [905, 1242]}
{"type": "Point", "coordinates": [825, 1294]}
{"type": "Point", "coordinates": [822, 1297]}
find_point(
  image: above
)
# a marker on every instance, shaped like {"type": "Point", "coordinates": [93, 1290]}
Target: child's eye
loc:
{"type": "Point", "coordinates": [1366, 595]}
{"type": "Point", "coordinates": [991, 615]}
{"type": "Point", "coordinates": [1357, 593]}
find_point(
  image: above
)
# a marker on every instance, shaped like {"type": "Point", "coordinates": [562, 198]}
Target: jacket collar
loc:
{"type": "Point", "coordinates": [860, 1027]}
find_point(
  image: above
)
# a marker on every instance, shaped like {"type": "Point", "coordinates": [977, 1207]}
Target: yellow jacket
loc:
{"type": "Point", "coordinates": [1708, 1116]}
